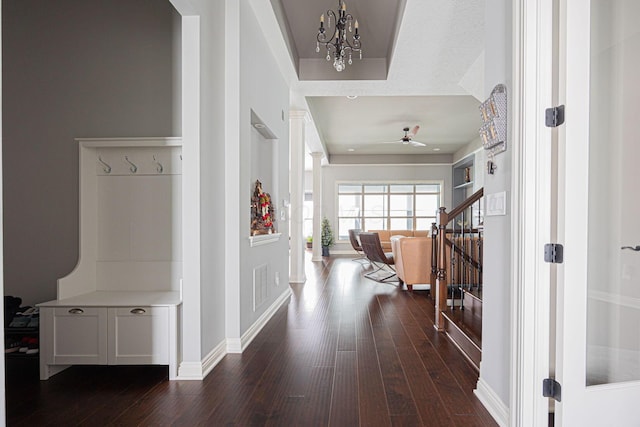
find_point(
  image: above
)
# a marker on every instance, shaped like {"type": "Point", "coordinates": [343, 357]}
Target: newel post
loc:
{"type": "Point", "coordinates": [441, 274]}
{"type": "Point", "coordinates": [434, 254]}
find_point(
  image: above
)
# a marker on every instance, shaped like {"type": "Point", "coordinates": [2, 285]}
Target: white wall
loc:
{"type": "Point", "coordinates": [332, 174]}
{"type": "Point", "coordinates": [494, 368]}
{"type": "Point", "coordinates": [74, 68]}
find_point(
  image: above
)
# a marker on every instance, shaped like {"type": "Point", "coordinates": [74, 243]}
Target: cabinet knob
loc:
{"type": "Point", "coordinates": [76, 311]}
{"type": "Point", "coordinates": [138, 311]}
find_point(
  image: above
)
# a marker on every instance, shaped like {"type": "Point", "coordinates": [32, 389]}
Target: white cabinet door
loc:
{"type": "Point", "coordinates": [138, 335]}
{"type": "Point", "coordinates": [76, 335]}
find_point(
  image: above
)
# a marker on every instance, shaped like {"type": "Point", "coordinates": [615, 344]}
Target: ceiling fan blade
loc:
{"type": "Point", "coordinates": [414, 131]}
{"type": "Point", "coordinates": [390, 142]}
{"type": "Point", "coordinates": [418, 144]}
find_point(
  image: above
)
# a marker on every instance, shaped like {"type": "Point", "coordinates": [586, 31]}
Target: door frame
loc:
{"type": "Point", "coordinates": [531, 203]}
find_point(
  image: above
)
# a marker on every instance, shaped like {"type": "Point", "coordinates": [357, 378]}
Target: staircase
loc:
{"type": "Point", "coordinates": [457, 272]}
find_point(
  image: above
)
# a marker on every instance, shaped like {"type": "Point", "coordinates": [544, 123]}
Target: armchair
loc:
{"type": "Point", "coordinates": [355, 244]}
{"type": "Point", "coordinates": [379, 259]}
{"type": "Point", "coordinates": [412, 257]}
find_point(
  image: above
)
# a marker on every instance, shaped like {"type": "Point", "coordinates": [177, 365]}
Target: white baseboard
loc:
{"type": "Point", "coordinates": [199, 370]}
{"type": "Point", "coordinates": [235, 345]}
{"type": "Point", "coordinates": [498, 410]}
{"type": "Point", "coordinates": [344, 252]}
{"type": "Point", "coordinates": [190, 371]}
{"type": "Point", "coordinates": [213, 358]}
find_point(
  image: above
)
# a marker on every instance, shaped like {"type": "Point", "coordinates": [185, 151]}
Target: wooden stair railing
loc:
{"type": "Point", "coordinates": [456, 259]}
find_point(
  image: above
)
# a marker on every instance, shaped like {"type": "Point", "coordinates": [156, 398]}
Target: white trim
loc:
{"type": "Point", "coordinates": [531, 210]}
{"type": "Point", "coordinates": [190, 335]}
{"type": "Point", "coordinates": [238, 345]}
{"type": "Point", "coordinates": [197, 371]}
{"type": "Point", "coordinates": [159, 141]}
{"type": "Point", "coordinates": [387, 164]}
{"type": "Point", "coordinates": [344, 251]}
{"type": "Point", "coordinates": [263, 239]}
{"type": "Point", "coordinates": [492, 403]}
{"type": "Point", "coordinates": [234, 345]}
{"type": "Point", "coordinates": [3, 409]}
{"type": "Point", "coordinates": [213, 358]}
{"type": "Point", "coordinates": [190, 371]}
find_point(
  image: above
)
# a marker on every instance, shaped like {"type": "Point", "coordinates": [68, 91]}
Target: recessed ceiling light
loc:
{"type": "Point", "coordinates": [259, 126]}
{"type": "Point", "coordinates": [351, 150]}
{"type": "Point", "coordinates": [352, 96]}
{"type": "Point", "coordinates": [436, 149]}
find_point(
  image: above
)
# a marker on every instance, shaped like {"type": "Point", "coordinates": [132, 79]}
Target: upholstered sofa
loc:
{"type": "Point", "coordinates": [412, 257]}
{"type": "Point", "coordinates": [385, 236]}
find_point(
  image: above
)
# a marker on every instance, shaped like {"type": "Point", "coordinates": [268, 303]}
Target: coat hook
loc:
{"type": "Point", "coordinates": [159, 167]}
{"type": "Point", "coordinates": [106, 168]}
{"type": "Point", "coordinates": [133, 167]}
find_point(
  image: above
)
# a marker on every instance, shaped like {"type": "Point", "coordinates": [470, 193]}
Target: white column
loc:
{"type": "Point", "coordinates": [297, 123]}
{"type": "Point", "coordinates": [317, 206]}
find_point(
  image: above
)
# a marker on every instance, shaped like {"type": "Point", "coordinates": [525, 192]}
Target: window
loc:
{"type": "Point", "coordinates": [307, 214]}
{"type": "Point", "coordinates": [400, 206]}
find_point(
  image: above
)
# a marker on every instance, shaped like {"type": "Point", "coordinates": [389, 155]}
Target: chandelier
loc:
{"type": "Point", "coordinates": [339, 44]}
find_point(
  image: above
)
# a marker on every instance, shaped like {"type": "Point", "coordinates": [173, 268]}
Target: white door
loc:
{"type": "Point", "coordinates": [598, 335]}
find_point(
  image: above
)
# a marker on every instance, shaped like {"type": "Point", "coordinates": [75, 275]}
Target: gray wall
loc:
{"type": "Point", "coordinates": [388, 173]}
{"type": "Point", "coordinates": [74, 68]}
{"type": "Point", "coordinates": [264, 91]}
{"type": "Point", "coordinates": [496, 343]}
{"type": "Point", "coordinates": [212, 178]}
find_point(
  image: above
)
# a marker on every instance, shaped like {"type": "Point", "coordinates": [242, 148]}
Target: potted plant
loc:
{"type": "Point", "coordinates": [326, 237]}
{"type": "Point", "coordinates": [309, 242]}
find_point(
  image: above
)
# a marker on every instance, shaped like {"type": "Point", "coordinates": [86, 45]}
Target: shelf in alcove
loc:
{"type": "Point", "coordinates": [464, 185]}
{"type": "Point", "coordinates": [263, 239]}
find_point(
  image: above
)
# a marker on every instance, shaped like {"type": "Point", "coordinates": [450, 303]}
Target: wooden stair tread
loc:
{"type": "Point", "coordinates": [468, 323]}
{"type": "Point", "coordinates": [465, 331]}
{"type": "Point", "coordinates": [475, 293]}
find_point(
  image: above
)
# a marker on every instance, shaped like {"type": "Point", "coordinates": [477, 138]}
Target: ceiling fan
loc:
{"type": "Point", "coordinates": [407, 139]}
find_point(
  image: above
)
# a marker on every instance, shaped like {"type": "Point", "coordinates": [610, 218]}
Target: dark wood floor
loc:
{"type": "Point", "coordinates": [346, 351]}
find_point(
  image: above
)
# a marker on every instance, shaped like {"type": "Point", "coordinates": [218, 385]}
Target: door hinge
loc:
{"type": "Point", "coordinates": [553, 253]}
{"type": "Point", "coordinates": [554, 116]}
{"type": "Point", "coordinates": [552, 388]}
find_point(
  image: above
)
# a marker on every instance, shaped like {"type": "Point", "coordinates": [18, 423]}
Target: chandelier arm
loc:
{"type": "Point", "coordinates": [354, 47]}
{"type": "Point", "coordinates": [323, 31]}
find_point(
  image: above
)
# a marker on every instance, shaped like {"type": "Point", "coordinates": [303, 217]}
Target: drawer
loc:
{"type": "Point", "coordinates": [75, 335]}
{"type": "Point", "coordinates": [138, 335]}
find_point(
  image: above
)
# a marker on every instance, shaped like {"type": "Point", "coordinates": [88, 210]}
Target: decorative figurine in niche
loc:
{"type": "Point", "coordinates": [262, 212]}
